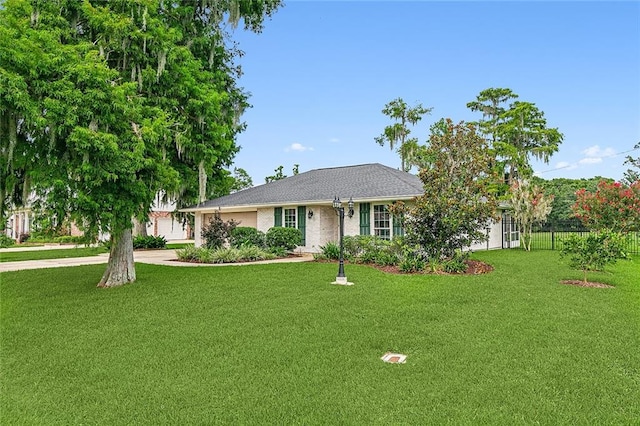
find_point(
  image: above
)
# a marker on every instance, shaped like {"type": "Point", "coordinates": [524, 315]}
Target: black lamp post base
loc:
{"type": "Point", "coordinates": [341, 281]}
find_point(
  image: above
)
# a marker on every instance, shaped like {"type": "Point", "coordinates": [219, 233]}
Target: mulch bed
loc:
{"type": "Point", "coordinates": [581, 283]}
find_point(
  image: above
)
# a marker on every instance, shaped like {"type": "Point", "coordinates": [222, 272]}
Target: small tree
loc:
{"type": "Point", "coordinates": [612, 206]}
{"type": "Point", "coordinates": [217, 232]}
{"type": "Point", "coordinates": [529, 206]}
{"type": "Point", "coordinates": [612, 210]}
{"type": "Point", "coordinates": [593, 251]}
{"type": "Point", "coordinates": [458, 200]}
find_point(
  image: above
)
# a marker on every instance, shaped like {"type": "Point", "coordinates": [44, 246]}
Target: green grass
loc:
{"type": "Point", "coordinates": [178, 245]}
{"type": "Point", "coordinates": [14, 256]}
{"type": "Point", "coordinates": [278, 344]}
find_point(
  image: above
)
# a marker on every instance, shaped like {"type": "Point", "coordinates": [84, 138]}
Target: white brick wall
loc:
{"type": "Point", "coordinates": [351, 224]}
{"type": "Point", "coordinates": [265, 219]}
{"type": "Point", "coordinates": [321, 228]}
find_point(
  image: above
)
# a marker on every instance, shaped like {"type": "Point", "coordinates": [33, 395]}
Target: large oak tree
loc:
{"type": "Point", "coordinates": [107, 103]}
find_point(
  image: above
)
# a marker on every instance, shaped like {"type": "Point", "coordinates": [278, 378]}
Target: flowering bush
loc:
{"type": "Point", "coordinates": [529, 205]}
{"type": "Point", "coordinates": [613, 206]}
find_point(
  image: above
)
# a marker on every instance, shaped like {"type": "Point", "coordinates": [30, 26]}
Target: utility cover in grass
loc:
{"type": "Point", "coordinates": [394, 358]}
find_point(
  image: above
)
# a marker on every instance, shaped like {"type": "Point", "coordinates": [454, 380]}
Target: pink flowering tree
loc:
{"type": "Point", "coordinates": [612, 211]}
{"type": "Point", "coordinates": [614, 206]}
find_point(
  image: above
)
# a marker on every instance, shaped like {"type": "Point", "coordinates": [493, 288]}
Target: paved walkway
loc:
{"type": "Point", "coordinates": [154, 257]}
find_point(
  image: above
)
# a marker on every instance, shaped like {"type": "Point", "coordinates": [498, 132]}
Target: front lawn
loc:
{"type": "Point", "coordinates": [267, 344]}
{"type": "Point", "coordinates": [14, 256]}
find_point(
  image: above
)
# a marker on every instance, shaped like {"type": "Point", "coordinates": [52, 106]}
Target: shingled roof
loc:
{"type": "Point", "coordinates": [362, 182]}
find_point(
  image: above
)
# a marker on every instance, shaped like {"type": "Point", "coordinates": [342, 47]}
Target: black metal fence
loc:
{"type": "Point", "coordinates": [550, 236]}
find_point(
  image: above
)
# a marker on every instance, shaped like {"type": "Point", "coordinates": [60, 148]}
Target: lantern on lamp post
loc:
{"type": "Point", "coordinates": [341, 279]}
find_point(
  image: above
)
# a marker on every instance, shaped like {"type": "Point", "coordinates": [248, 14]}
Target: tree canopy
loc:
{"type": "Point", "coordinates": [459, 200]}
{"type": "Point", "coordinates": [105, 104]}
{"type": "Point", "coordinates": [563, 191]}
{"type": "Point", "coordinates": [518, 132]}
{"type": "Point", "coordinates": [397, 133]}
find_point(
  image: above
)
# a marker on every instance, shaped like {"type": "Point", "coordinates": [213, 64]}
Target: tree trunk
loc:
{"type": "Point", "coordinates": [3, 219]}
{"type": "Point", "coordinates": [139, 228]}
{"type": "Point", "coordinates": [202, 183]}
{"type": "Point", "coordinates": [120, 269]}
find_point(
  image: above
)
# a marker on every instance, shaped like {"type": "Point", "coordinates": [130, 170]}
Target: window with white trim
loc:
{"type": "Point", "coordinates": [381, 222]}
{"type": "Point", "coordinates": [510, 229]}
{"type": "Point", "coordinates": [290, 218]}
{"type": "Point", "coordinates": [515, 232]}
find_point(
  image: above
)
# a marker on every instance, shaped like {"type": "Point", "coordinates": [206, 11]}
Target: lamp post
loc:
{"type": "Point", "coordinates": [341, 279]}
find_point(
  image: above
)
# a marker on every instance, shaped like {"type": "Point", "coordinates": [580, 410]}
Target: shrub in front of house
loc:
{"type": "Point", "coordinates": [457, 264]}
{"type": "Point", "coordinates": [373, 249]}
{"type": "Point", "coordinates": [247, 236]}
{"type": "Point", "coordinates": [217, 232]}
{"type": "Point", "coordinates": [287, 239]}
{"type": "Point", "coordinates": [411, 264]}
{"type": "Point", "coordinates": [352, 247]}
{"type": "Point", "coordinates": [386, 258]}
{"type": "Point", "coordinates": [6, 241]}
{"type": "Point", "coordinates": [194, 254]}
{"type": "Point", "coordinates": [243, 254]}
{"type": "Point", "coordinates": [253, 253]}
{"type": "Point", "coordinates": [329, 251]}
{"type": "Point", "coordinates": [365, 249]}
{"type": "Point", "coordinates": [223, 255]}
{"type": "Point", "coordinates": [149, 242]}
{"type": "Point", "coordinates": [370, 249]}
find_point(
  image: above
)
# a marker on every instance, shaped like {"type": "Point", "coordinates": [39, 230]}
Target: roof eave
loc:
{"type": "Point", "coordinates": [255, 207]}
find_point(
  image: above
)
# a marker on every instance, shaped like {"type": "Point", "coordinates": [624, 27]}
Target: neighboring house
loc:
{"type": "Point", "coordinates": [18, 222]}
{"type": "Point", "coordinates": [304, 201]}
{"type": "Point", "coordinates": [161, 223]}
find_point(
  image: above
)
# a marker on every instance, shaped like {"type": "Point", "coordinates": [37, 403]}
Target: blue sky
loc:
{"type": "Point", "coordinates": [321, 72]}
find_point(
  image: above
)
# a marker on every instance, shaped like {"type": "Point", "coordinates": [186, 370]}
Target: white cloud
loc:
{"type": "Point", "coordinates": [594, 155]}
{"type": "Point", "coordinates": [596, 152]}
{"type": "Point", "coordinates": [334, 140]}
{"type": "Point", "coordinates": [590, 160]}
{"type": "Point", "coordinates": [298, 147]}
